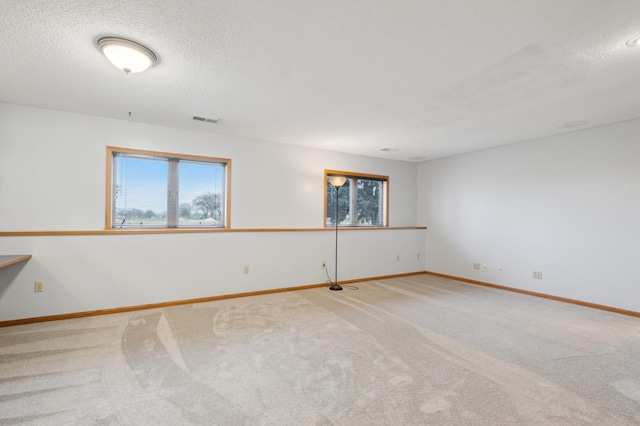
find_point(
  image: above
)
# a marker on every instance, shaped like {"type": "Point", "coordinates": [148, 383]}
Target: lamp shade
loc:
{"type": "Point", "coordinates": [337, 181]}
{"type": "Point", "coordinates": [129, 56]}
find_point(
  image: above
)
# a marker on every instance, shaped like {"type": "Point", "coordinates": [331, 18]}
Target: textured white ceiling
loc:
{"type": "Point", "coordinates": [429, 78]}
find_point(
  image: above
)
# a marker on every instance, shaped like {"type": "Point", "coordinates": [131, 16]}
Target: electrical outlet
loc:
{"type": "Point", "coordinates": [499, 269]}
{"type": "Point", "coordinates": [324, 263]}
{"type": "Point", "coordinates": [476, 266]}
{"type": "Point", "coordinates": [537, 275]}
{"type": "Point", "coordinates": [485, 267]}
{"type": "Point", "coordinates": [246, 269]}
{"type": "Point", "coordinates": [38, 287]}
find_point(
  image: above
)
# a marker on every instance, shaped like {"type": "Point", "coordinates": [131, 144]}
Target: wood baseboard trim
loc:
{"type": "Point", "coordinates": [187, 301]}
{"type": "Point", "coordinates": [542, 295]}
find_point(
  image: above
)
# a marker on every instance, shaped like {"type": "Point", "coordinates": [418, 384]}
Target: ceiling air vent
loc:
{"type": "Point", "coordinates": [206, 120]}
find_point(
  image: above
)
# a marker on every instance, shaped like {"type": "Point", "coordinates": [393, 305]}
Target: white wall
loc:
{"type": "Point", "coordinates": [53, 178]}
{"type": "Point", "coordinates": [52, 172]}
{"type": "Point", "coordinates": [568, 206]}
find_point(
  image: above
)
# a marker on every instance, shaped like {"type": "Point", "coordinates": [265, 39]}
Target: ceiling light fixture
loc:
{"type": "Point", "coordinates": [129, 56]}
{"type": "Point", "coordinates": [634, 41]}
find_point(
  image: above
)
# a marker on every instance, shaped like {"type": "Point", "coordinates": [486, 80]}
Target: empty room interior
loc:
{"type": "Point", "coordinates": [320, 212]}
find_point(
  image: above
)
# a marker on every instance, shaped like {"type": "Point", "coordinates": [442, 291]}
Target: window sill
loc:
{"type": "Point", "coordinates": [200, 231]}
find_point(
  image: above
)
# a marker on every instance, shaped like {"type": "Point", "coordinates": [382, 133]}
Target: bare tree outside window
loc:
{"type": "Point", "coordinates": [208, 206]}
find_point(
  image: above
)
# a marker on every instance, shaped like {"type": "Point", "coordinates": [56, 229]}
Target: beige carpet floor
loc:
{"type": "Point", "coordinates": [419, 350]}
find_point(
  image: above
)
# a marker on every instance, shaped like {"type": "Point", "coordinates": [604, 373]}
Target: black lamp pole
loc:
{"type": "Point", "coordinates": [335, 285]}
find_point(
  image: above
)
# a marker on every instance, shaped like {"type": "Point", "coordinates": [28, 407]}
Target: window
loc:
{"type": "Point", "coordinates": [362, 200]}
{"type": "Point", "coordinates": [158, 190]}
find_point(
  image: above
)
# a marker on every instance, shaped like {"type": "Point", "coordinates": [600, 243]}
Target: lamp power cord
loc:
{"type": "Point", "coordinates": [330, 282]}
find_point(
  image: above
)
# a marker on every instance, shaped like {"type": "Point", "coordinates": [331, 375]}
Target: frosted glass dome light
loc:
{"type": "Point", "coordinates": [129, 56]}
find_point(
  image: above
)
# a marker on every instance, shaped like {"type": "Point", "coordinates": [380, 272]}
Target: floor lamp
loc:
{"type": "Point", "coordinates": [337, 182]}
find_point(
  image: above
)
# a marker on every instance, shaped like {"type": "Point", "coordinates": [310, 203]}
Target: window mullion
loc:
{"type": "Point", "coordinates": [382, 203]}
{"type": "Point", "coordinates": [353, 212]}
{"type": "Point", "coordinates": [173, 193]}
{"type": "Point", "coordinates": [223, 203]}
